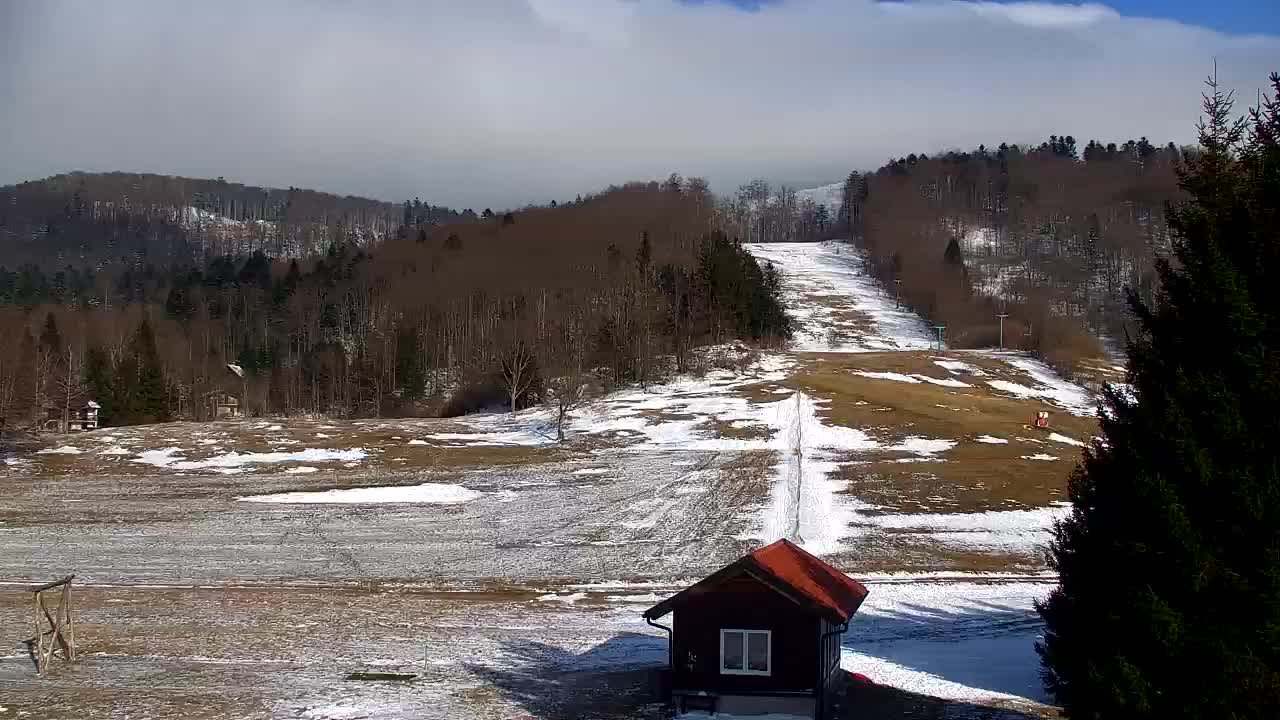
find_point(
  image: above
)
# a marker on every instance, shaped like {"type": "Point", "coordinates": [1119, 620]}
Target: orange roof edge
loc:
{"type": "Point", "coordinates": [831, 592]}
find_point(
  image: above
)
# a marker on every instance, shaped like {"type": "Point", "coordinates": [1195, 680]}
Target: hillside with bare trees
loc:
{"type": "Point", "coordinates": [93, 218]}
{"type": "Point", "coordinates": [508, 310]}
{"type": "Point", "coordinates": [1050, 235]}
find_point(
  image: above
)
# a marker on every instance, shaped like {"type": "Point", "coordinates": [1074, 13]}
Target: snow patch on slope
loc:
{"type": "Point", "coordinates": [835, 305]}
{"type": "Point", "coordinates": [169, 458]}
{"type": "Point", "coordinates": [914, 379]}
{"type": "Point", "coordinates": [436, 493]}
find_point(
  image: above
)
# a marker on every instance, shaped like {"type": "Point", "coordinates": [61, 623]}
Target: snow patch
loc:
{"type": "Point", "coordinates": [915, 378]}
{"type": "Point", "coordinates": [992, 440]}
{"type": "Point", "coordinates": [302, 470]}
{"type": "Point", "coordinates": [923, 446]}
{"type": "Point", "coordinates": [1054, 388]}
{"type": "Point", "coordinates": [168, 458]}
{"type": "Point", "coordinates": [958, 366]}
{"type": "Point", "coordinates": [1008, 530]}
{"type": "Point", "coordinates": [64, 450]}
{"type": "Point", "coordinates": [887, 376]}
{"type": "Point", "coordinates": [433, 493]}
{"type": "Point", "coordinates": [567, 599]}
{"type": "Point", "coordinates": [1040, 456]}
{"type": "Point", "coordinates": [1065, 440]}
{"type": "Point", "coordinates": [1013, 388]}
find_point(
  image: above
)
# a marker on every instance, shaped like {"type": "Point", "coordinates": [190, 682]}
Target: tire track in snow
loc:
{"type": "Point", "coordinates": [804, 506]}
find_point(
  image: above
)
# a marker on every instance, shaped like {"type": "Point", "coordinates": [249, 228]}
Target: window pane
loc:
{"type": "Point", "coordinates": [758, 652]}
{"type": "Point", "coordinates": [732, 650]}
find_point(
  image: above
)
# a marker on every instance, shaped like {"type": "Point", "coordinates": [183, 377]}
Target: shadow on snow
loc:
{"type": "Point", "coordinates": [983, 646]}
{"type": "Point", "coordinates": [619, 678]}
{"type": "Point", "coordinates": [988, 647]}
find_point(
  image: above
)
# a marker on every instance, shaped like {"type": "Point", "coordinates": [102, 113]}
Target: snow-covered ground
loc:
{"type": "Point", "coordinates": [971, 641]}
{"type": "Point", "coordinates": [509, 570]}
{"type": "Point", "coordinates": [828, 195]}
{"type": "Point", "coordinates": [836, 305]}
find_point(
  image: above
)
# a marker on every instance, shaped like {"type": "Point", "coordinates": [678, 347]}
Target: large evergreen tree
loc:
{"type": "Point", "coordinates": [148, 401]}
{"type": "Point", "coordinates": [1169, 596]}
{"type": "Point", "coordinates": [99, 382]}
{"type": "Point", "coordinates": [409, 375]}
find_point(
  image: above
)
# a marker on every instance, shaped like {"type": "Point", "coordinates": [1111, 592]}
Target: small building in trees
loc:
{"type": "Point", "coordinates": [79, 419]}
{"type": "Point", "coordinates": [761, 635]}
{"type": "Point", "coordinates": [225, 405]}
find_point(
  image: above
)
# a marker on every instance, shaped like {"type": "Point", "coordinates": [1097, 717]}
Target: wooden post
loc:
{"type": "Point", "coordinates": [61, 630]}
{"type": "Point", "coordinates": [38, 640]}
{"type": "Point", "coordinates": [71, 628]}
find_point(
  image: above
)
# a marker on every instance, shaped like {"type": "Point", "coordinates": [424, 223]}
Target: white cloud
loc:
{"type": "Point", "coordinates": [498, 102]}
{"type": "Point", "coordinates": [1043, 14]}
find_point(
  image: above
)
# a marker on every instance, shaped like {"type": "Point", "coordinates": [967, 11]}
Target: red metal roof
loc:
{"type": "Point", "coordinates": [787, 567]}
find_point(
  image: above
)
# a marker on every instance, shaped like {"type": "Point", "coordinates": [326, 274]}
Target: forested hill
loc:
{"type": "Point", "coordinates": [1051, 235]}
{"type": "Point", "coordinates": [80, 219]}
{"type": "Point", "coordinates": [506, 308]}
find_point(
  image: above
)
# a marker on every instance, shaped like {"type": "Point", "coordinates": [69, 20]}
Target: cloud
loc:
{"type": "Point", "coordinates": [1043, 14]}
{"type": "Point", "coordinates": [501, 102]}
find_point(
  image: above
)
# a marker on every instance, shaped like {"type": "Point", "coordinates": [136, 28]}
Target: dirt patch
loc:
{"type": "Point", "coordinates": [750, 473]}
{"type": "Point", "coordinates": [728, 430]}
{"type": "Point", "coordinates": [847, 324]}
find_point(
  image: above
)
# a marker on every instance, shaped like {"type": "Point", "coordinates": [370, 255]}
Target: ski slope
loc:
{"type": "Point", "coordinates": [511, 570]}
{"type": "Point", "coordinates": [828, 195]}
{"type": "Point", "coordinates": [836, 306]}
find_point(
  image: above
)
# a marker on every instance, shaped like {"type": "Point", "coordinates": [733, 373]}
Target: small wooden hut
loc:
{"type": "Point", "coordinates": [761, 635]}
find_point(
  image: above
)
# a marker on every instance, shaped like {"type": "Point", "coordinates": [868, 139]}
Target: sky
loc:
{"type": "Point", "coordinates": [1225, 15]}
{"type": "Point", "coordinates": [499, 103]}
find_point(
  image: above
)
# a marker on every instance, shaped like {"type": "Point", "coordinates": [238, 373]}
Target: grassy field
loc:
{"type": "Point", "coordinates": [971, 476]}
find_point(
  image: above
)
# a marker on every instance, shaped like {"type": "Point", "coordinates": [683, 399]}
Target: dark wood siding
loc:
{"type": "Point", "coordinates": [744, 603]}
{"type": "Point", "coordinates": [829, 653]}
{"type": "Point", "coordinates": [830, 649]}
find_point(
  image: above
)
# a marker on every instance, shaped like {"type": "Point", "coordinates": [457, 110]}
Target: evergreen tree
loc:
{"type": "Point", "coordinates": [25, 398]}
{"type": "Point", "coordinates": [409, 375]}
{"type": "Point", "coordinates": [953, 256]}
{"type": "Point", "coordinates": [99, 382]}
{"type": "Point", "coordinates": [50, 338]}
{"type": "Point", "coordinates": [1169, 564]}
{"type": "Point", "coordinates": [148, 401]}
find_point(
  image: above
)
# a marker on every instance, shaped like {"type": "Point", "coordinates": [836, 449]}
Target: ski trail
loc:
{"type": "Point", "coordinates": [835, 305]}
{"type": "Point", "coordinates": [804, 506]}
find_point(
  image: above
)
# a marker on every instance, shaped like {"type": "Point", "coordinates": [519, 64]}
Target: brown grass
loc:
{"type": "Point", "coordinates": [975, 476]}
{"type": "Point", "coordinates": [724, 429]}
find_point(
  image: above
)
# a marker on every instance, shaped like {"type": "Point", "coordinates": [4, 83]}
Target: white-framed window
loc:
{"type": "Point", "coordinates": [745, 652]}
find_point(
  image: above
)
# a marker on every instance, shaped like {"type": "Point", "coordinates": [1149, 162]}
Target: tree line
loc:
{"type": "Point", "coordinates": [532, 306]}
{"type": "Point", "coordinates": [86, 219]}
{"type": "Point", "coordinates": [1049, 235]}
{"type": "Point", "coordinates": [759, 213]}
